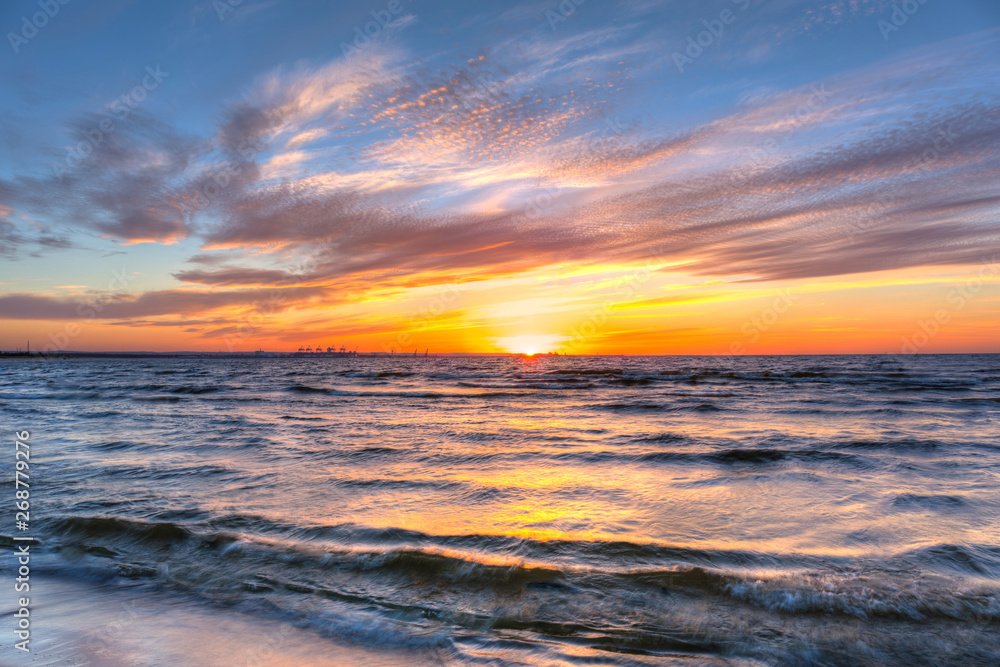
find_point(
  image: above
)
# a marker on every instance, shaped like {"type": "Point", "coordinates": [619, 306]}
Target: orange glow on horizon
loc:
{"type": "Point", "coordinates": [600, 310]}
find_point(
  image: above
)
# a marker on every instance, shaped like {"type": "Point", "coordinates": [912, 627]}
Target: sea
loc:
{"type": "Point", "coordinates": [508, 510]}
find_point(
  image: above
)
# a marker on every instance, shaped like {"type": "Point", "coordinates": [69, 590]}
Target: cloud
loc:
{"type": "Point", "coordinates": [145, 181]}
{"type": "Point", "coordinates": [375, 172]}
{"type": "Point", "coordinates": [238, 276]}
{"type": "Point", "coordinates": [152, 304]}
{"type": "Point", "coordinates": [119, 186]}
{"type": "Point", "coordinates": [821, 180]}
{"type": "Point", "coordinates": [17, 236]}
{"type": "Point", "coordinates": [10, 238]}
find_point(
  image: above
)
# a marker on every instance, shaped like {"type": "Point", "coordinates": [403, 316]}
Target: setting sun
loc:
{"type": "Point", "coordinates": [529, 344]}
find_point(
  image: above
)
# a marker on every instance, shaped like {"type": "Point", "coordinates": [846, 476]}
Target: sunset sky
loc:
{"type": "Point", "coordinates": [642, 177]}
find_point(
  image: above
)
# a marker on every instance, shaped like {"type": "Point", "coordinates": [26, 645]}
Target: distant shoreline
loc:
{"type": "Point", "coordinates": [383, 355]}
{"type": "Point", "coordinates": [253, 355]}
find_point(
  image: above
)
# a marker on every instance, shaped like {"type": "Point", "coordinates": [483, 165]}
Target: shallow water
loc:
{"type": "Point", "coordinates": [551, 510]}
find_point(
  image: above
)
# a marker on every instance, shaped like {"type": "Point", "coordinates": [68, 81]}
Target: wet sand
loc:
{"type": "Point", "coordinates": [80, 624]}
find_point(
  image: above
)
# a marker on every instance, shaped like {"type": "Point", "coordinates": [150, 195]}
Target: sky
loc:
{"type": "Point", "coordinates": [584, 177]}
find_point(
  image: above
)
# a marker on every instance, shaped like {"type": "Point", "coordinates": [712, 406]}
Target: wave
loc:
{"type": "Point", "coordinates": [103, 414]}
{"type": "Point", "coordinates": [905, 444]}
{"type": "Point", "coordinates": [981, 560]}
{"type": "Point", "coordinates": [726, 457]}
{"type": "Point", "coordinates": [935, 502]}
{"type": "Point", "coordinates": [667, 438]}
{"type": "Point", "coordinates": [629, 406]}
{"type": "Point", "coordinates": [71, 396]}
{"type": "Point", "coordinates": [352, 539]}
{"type": "Point", "coordinates": [462, 565]}
{"type": "Point", "coordinates": [644, 406]}
{"type": "Point", "coordinates": [775, 455]}
{"type": "Point", "coordinates": [308, 390]}
{"type": "Point", "coordinates": [864, 598]}
{"type": "Point", "coordinates": [565, 385]}
{"type": "Point", "coordinates": [607, 372]}
{"type": "Point", "coordinates": [153, 532]}
{"type": "Point", "coordinates": [194, 389]}
{"type": "Point", "coordinates": [116, 445]}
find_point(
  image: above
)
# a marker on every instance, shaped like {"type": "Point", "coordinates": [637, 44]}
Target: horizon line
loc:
{"type": "Point", "coordinates": [409, 355]}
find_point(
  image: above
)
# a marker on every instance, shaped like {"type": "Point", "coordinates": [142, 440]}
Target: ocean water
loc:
{"type": "Point", "coordinates": [839, 510]}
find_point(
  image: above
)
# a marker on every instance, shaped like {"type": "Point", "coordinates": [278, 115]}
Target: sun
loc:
{"type": "Point", "coordinates": [530, 344]}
